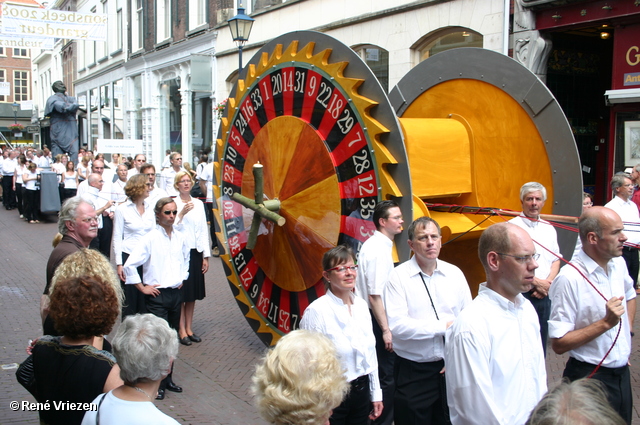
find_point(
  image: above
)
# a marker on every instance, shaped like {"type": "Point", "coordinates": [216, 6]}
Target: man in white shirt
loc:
{"type": "Point", "coordinates": [533, 196]}
{"type": "Point", "coordinates": [164, 256]}
{"type": "Point", "coordinates": [422, 298]}
{"type": "Point", "coordinates": [622, 188]}
{"type": "Point", "coordinates": [593, 307]}
{"type": "Point", "coordinates": [106, 231]}
{"type": "Point", "coordinates": [495, 366]}
{"type": "Point", "coordinates": [118, 194]}
{"type": "Point", "coordinates": [156, 193]}
{"type": "Point", "coordinates": [375, 264]}
{"type": "Point", "coordinates": [9, 165]}
{"type": "Point", "coordinates": [100, 203]}
{"type": "Point", "coordinates": [168, 175]}
{"type": "Point", "coordinates": [138, 160]}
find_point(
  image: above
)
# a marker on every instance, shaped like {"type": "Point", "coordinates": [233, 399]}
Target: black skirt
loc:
{"type": "Point", "coordinates": [193, 287]}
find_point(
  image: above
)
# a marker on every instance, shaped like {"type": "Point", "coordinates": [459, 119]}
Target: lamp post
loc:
{"type": "Point", "coordinates": [15, 107]}
{"type": "Point", "coordinates": [240, 26]}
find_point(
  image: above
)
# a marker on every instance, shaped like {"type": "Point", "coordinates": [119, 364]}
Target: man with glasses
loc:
{"type": "Point", "coordinates": [78, 225]}
{"type": "Point", "coordinates": [167, 176]}
{"type": "Point", "coordinates": [532, 197]}
{"type": "Point", "coordinates": [593, 308]}
{"type": "Point", "coordinates": [622, 188]}
{"type": "Point", "coordinates": [138, 160]}
{"type": "Point", "coordinates": [164, 257]}
{"type": "Point", "coordinates": [107, 192]}
{"type": "Point", "coordinates": [495, 365]}
{"type": "Point", "coordinates": [156, 193]}
{"type": "Point", "coordinates": [422, 298]}
{"type": "Point", "coordinates": [376, 264]}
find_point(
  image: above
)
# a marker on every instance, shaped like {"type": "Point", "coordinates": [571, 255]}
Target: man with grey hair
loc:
{"type": "Point", "coordinates": [422, 298]}
{"type": "Point", "coordinates": [590, 299]}
{"type": "Point", "coordinates": [495, 365]}
{"type": "Point", "coordinates": [106, 220]}
{"type": "Point", "coordinates": [622, 188]}
{"type": "Point", "coordinates": [579, 402]}
{"type": "Point", "coordinates": [532, 197]}
{"type": "Point", "coordinates": [167, 175]}
{"type": "Point", "coordinates": [78, 226]}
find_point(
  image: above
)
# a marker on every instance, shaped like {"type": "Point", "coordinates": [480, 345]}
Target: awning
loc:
{"type": "Point", "coordinates": [622, 96]}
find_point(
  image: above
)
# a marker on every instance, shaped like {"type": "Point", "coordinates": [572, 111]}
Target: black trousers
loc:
{"type": "Point", "coordinates": [104, 236]}
{"type": "Point", "coordinates": [386, 361]}
{"type": "Point", "coordinates": [20, 195]}
{"type": "Point", "coordinates": [166, 306]}
{"type": "Point", "coordinates": [421, 393]}
{"type": "Point", "coordinates": [32, 204]}
{"type": "Point", "coordinates": [617, 382]}
{"type": "Point", "coordinates": [543, 308]}
{"type": "Point", "coordinates": [355, 408]}
{"type": "Point", "coordinates": [630, 256]}
{"type": "Point", "coordinates": [8, 194]}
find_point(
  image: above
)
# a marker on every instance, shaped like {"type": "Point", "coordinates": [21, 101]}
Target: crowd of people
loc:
{"type": "Point", "coordinates": [403, 344]}
{"type": "Point", "coordinates": [426, 353]}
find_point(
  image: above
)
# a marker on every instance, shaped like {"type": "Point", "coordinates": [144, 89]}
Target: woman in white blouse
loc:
{"type": "Point", "coordinates": [70, 180]}
{"type": "Point", "coordinates": [346, 320]}
{"type": "Point", "coordinates": [192, 222]}
{"type": "Point", "coordinates": [132, 220]}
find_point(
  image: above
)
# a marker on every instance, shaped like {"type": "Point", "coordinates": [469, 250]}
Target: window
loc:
{"type": "Point", "coordinates": [20, 86]}
{"type": "Point", "coordinates": [20, 53]}
{"type": "Point", "coordinates": [446, 39]}
{"type": "Point", "coordinates": [3, 78]}
{"type": "Point", "coordinates": [256, 5]}
{"type": "Point", "coordinates": [119, 29]}
{"type": "Point", "coordinates": [89, 53]}
{"type": "Point", "coordinates": [2, 53]}
{"type": "Point", "coordinates": [163, 21]}
{"type": "Point", "coordinates": [197, 13]}
{"type": "Point", "coordinates": [378, 61]}
{"type": "Point", "coordinates": [137, 27]}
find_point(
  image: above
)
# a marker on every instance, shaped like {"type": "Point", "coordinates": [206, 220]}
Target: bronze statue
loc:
{"type": "Point", "coordinates": [61, 110]}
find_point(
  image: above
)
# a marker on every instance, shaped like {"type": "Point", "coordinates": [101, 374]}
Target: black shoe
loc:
{"type": "Point", "coordinates": [173, 387]}
{"type": "Point", "coordinates": [195, 338]}
{"type": "Point", "coordinates": [185, 341]}
{"type": "Point", "coordinates": [160, 395]}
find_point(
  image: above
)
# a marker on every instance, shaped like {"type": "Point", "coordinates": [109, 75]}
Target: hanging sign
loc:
{"type": "Point", "coordinates": [48, 23]}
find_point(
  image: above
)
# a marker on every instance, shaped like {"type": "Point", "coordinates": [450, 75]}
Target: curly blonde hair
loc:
{"type": "Point", "coordinates": [299, 381]}
{"type": "Point", "coordinates": [88, 262]}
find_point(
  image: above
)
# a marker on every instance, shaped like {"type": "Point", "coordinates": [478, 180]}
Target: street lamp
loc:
{"type": "Point", "coordinates": [240, 26]}
{"type": "Point", "coordinates": [15, 107]}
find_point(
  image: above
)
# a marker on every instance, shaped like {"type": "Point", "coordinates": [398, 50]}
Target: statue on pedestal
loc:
{"type": "Point", "coordinates": [61, 110]}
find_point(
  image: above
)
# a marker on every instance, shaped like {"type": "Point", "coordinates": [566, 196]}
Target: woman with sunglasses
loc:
{"type": "Point", "coordinates": [133, 219]}
{"type": "Point", "coordinates": [345, 319]}
{"type": "Point", "coordinates": [192, 222]}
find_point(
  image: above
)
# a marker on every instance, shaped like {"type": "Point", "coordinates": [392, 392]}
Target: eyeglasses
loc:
{"type": "Point", "coordinates": [149, 185]}
{"type": "Point", "coordinates": [522, 259]}
{"type": "Point", "coordinates": [174, 212]}
{"type": "Point", "coordinates": [184, 181]}
{"type": "Point", "coordinates": [342, 269]}
{"type": "Point", "coordinates": [178, 159]}
{"type": "Point", "coordinates": [90, 220]}
{"type": "Point", "coordinates": [397, 217]}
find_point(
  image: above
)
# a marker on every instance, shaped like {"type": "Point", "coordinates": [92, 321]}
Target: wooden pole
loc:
{"type": "Point", "coordinates": [497, 211]}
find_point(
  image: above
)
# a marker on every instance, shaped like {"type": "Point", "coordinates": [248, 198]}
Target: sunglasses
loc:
{"type": "Point", "coordinates": [174, 212]}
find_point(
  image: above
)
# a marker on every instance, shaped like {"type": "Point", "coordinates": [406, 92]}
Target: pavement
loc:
{"type": "Point", "coordinates": [215, 374]}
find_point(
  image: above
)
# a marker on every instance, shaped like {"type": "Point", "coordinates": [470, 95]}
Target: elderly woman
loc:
{"type": "Point", "coordinates": [132, 220]}
{"type": "Point", "coordinates": [145, 346]}
{"type": "Point", "coordinates": [192, 222]}
{"type": "Point", "coordinates": [70, 368]}
{"type": "Point", "coordinates": [345, 319]}
{"type": "Point", "coordinates": [299, 381]}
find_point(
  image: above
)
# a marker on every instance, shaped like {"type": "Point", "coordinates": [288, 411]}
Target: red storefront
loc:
{"type": "Point", "coordinates": [596, 56]}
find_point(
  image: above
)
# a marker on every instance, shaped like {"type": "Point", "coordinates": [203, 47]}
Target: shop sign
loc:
{"type": "Point", "coordinates": [626, 57]}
